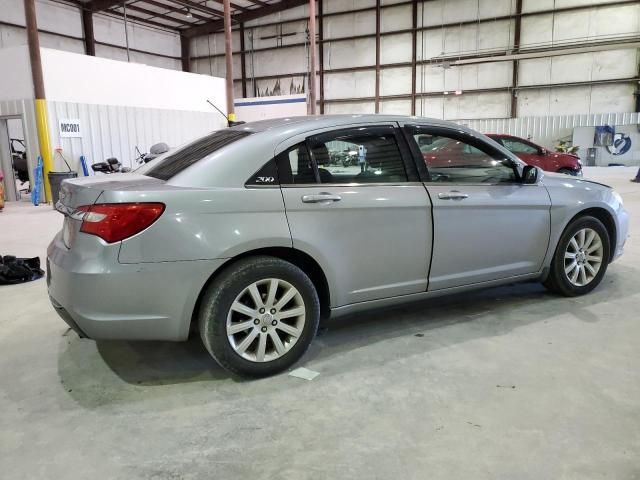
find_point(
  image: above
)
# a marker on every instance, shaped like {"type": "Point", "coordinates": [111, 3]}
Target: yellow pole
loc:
{"type": "Point", "coordinates": [38, 89]}
{"type": "Point", "coordinates": [45, 145]}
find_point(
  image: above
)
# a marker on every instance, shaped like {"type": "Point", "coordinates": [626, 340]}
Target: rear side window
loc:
{"type": "Point", "coordinates": [294, 166]}
{"type": "Point", "coordinates": [176, 162]}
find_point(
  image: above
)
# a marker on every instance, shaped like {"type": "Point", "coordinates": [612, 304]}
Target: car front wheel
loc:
{"type": "Point", "coordinates": [581, 258]}
{"type": "Point", "coordinates": [259, 316]}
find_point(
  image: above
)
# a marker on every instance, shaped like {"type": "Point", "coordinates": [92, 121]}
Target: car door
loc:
{"type": "Point", "coordinates": [367, 221]}
{"type": "Point", "coordinates": [488, 225]}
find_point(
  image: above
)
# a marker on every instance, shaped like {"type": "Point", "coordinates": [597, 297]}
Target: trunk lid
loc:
{"type": "Point", "coordinates": [78, 192]}
{"type": "Point", "coordinates": [85, 191]}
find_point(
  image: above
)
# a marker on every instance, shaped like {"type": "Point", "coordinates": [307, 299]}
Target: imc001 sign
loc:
{"type": "Point", "coordinates": [70, 127]}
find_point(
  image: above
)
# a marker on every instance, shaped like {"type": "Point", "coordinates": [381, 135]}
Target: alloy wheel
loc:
{"type": "Point", "coordinates": [583, 257]}
{"type": "Point", "coordinates": [265, 320]}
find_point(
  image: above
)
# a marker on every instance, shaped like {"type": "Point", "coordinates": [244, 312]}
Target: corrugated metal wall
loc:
{"type": "Point", "coordinates": [548, 130]}
{"type": "Point", "coordinates": [115, 131]}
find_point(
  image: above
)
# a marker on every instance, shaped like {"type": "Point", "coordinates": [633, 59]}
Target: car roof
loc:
{"type": "Point", "coordinates": [312, 122]}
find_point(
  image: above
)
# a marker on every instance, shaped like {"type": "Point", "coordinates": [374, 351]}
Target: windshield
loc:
{"type": "Point", "coordinates": [172, 163]}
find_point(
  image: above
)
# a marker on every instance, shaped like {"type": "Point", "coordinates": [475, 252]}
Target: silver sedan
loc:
{"type": "Point", "coordinates": [252, 234]}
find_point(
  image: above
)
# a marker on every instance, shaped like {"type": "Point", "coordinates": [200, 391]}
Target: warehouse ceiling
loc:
{"type": "Point", "coordinates": [189, 17]}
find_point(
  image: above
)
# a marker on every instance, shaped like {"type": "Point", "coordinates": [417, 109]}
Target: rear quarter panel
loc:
{"type": "Point", "coordinates": [203, 224]}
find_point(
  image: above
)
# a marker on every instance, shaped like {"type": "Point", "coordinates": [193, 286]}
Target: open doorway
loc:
{"type": "Point", "coordinates": [13, 159]}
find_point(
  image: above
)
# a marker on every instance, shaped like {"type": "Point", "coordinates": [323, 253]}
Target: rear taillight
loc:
{"type": "Point", "coordinates": [114, 222]}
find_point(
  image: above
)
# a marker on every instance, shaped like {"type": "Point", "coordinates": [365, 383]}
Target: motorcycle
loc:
{"type": "Point", "coordinates": [19, 157]}
{"type": "Point", "coordinates": [113, 165]}
{"type": "Point", "coordinates": [154, 152]}
{"type": "Point", "coordinates": [110, 165]}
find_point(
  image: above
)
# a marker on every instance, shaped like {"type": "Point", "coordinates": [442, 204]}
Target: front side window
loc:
{"type": "Point", "coordinates": [358, 155]}
{"type": "Point", "coordinates": [516, 146]}
{"type": "Point", "coordinates": [456, 157]}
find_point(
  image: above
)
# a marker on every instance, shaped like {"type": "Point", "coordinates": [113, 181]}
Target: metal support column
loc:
{"type": "Point", "coordinates": [321, 54]}
{"type": "Point", "coordinates": [228, 56]}
{"type": "Point", "coordinates": [185, 48]}
{"type": "Point", "coordinates": [42, 124]}
{"type": "Point", "coordinates": [377, 97]}
{"type": "Point", "coordinates": [414, 48]}
{"type": "Point", "coordinates": [312, 60]}
{"type": "Point", "coordinates": [243, 62]}
{"type": "Point", "coordinates": [516, 64]}
{"type": "Point", "coordinates": [87, 27]}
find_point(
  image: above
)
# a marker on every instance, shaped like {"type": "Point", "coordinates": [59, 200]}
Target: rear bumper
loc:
{"type": "Point", "coordinates": [68, 319]}
{"type": "Point", "coordinates": [102, 299]}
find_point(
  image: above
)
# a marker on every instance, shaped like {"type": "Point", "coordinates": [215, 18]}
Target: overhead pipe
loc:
{"type": "Point", "coordinates": [42, 124]}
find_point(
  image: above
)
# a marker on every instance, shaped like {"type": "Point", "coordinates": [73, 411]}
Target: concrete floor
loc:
{"type": "Point", "coordinates": [508, 383]}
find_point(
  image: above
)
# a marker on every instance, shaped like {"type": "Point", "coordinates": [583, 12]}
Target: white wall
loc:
{"type": "Point", "coordinates": [561, 29]}
{"type": "Point", "coordinates": [15, 82]}
{"type": "Point", "coordinates": [584, 137]}
{"type": "Point", "coordinates": [116, 130]}
{"type": "Point", "coordinates": [262, 108]}
{"type": "Point", "coordinates": [65, 24]}
{"type": "Point", "coordinates": [120, 105]}
{"type": "Point", "coordinates": [123, 105]}
{"type": "Point", "coordinates": [71, 77]}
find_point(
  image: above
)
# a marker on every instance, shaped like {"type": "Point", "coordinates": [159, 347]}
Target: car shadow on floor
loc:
{"type": "Point", "coordinates": [160, 363]}
{"type": "Point", "coordinates": [444, 321]}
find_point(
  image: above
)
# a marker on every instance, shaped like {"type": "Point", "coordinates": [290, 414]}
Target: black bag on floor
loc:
{"type": "Point", "coordinates": [19, 270]}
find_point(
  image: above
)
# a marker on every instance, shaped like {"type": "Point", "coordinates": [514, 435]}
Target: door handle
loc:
{"type": "Point", "coordinates": [323, 197]}
{"type": "Point", "coordinates": [453, 195]}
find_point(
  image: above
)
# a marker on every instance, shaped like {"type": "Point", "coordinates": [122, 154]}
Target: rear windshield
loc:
{"type": "Point", "coordinates": [175, 162]}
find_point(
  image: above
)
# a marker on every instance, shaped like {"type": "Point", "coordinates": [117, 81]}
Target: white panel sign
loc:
{"type": "Point", "coordinates": [70, 127]}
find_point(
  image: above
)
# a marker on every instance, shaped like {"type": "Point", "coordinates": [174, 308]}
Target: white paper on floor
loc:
{"type": "Point", "coordinates": [304, 373]}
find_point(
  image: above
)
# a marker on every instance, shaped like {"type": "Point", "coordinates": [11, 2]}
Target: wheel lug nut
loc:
{"type": "Point", "coordinates": [264, 329]}
{"type": "Point", "coordinates": [262, 310]}
{"type": "Point", "coordinates": [273, 311]}
{"type": "Point", "coordinates": [256, 321]}
{"type": "Point", "coordinates": [274, 323]}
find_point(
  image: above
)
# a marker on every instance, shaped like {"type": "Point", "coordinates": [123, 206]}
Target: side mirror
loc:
{"type": "Point", "coordinates": [529, 175]}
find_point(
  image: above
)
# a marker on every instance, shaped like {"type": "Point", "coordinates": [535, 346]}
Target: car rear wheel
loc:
{"type": "Point", "coordinates": [581, 258]}
{"type": "Point", "coordinates": [259, 316]}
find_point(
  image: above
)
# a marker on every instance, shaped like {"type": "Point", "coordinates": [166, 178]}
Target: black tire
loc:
{"type": "Point", "coordinates": [558, 281]}
{"type": "Point", "coordinates": [221, 293]}
{"type": "Point", "coordinates": [567, 171]}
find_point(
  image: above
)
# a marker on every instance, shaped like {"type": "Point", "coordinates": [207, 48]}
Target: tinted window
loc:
{"type": "Point", "coordinates": [459, 158]}
{"type": "Point", "coordinates": [174, 163]}
{"type": "Point", "coordinates": [294, 166]}
{"type": "Point", "coordinates": [359, 155]}
{"type": "Point", "coordinates": [516, 146]}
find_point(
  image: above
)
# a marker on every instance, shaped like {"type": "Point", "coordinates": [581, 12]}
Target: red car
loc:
{"type": "Point", "coordinates": [533, 154]}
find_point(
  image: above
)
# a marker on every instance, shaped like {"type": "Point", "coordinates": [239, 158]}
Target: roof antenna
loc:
{"type": "Point", "coordinates": [229, 122]}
